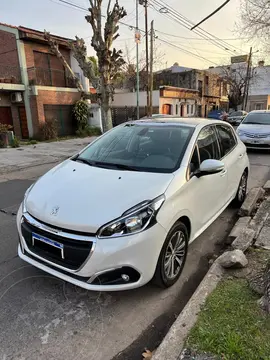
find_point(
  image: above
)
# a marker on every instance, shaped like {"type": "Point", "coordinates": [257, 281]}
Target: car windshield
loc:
{"type": "Point", "coordinates": [257, 118]}
{"type": "Point", "coordinates": [139, 147]}
{"type": "Point", "coordinates": [237, 113]}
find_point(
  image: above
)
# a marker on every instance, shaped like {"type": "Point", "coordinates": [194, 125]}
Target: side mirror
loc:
{"type": "Point", "coordinates": [210, 167]}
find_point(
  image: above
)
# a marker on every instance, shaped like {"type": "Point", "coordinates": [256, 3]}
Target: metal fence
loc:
{"type": "Point", "coordinates": [123, 114]}
{"type": "Point", "coordinates": [63, 115]}
{"type": "Point", "coordinates": [49, 77]}
{"type": "Point", "coordinates": [10, 74]}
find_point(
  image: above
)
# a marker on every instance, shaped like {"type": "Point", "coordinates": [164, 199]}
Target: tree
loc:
{"type": "Point", "coordinates": [255, 16]}
{"type": "Point", "coordinates": [110, 60]}
{"type": "Point", "coordinates": [128, 76]}
{"type": "Point", "coordinates": [94, 61]}
{"type": "Point", "coordinates": [237, 81]}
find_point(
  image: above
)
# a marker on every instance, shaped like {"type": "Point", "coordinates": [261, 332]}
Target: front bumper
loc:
{"type": "Point", "coordinates": [139, 252]}
{"type": "Point", "coordinates": [255, 143]}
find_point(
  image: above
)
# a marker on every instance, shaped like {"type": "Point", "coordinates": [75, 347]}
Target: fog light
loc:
{"type": "Point", "coordinates": [125, 277]}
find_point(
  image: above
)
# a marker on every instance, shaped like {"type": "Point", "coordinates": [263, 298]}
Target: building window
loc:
{"type": "Point", "coordinates": [192, 109]}
{"type": "Point", "coordinates": [188, 109]}
{"type": "Point", "coordinates": [176, 109]}
{"type": "Point", "coordinates": [259, 106]}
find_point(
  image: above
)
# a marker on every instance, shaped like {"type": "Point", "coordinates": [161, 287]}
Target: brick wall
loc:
{"type": "Point", "coordinates": [5, 101]}
{"type": "Point", "coordinates": [9, 61]}
{"type": "Point", "coordinates": [30, 47]}
{"type": "Point", "coordinates": [49, 97]}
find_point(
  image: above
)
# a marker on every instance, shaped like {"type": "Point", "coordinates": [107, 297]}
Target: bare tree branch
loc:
{"type": "Point", "coordinates": [55, 49]}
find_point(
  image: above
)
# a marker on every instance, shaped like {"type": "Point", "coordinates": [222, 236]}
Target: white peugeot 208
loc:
{"type": "Point", "coordinates": [123, 210]}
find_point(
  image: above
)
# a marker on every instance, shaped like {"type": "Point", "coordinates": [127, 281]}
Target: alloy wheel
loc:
{"type": "Point", "coordinates": [175, 255]}
{"type": "Point", "coordinates": [242, 190]}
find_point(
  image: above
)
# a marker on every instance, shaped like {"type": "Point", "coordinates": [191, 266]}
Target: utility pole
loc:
{"type": "Point", "coordinates": [137, 39]}
{"type": "Point", "coordinates": [145, 4]}
{"type": "Point", "coordinates": [246, 91]}
{"type": "Point", "coordinates": [151, 69]}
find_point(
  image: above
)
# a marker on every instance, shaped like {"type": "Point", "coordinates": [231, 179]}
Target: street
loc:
{"type": "Point", "coordinates": [42, 317]}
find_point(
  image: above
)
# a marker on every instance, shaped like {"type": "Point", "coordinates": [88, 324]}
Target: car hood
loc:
{"type": "Point", "coordinates": [254, 129]}
{"type": "Point", "coordinates": [87, 197]}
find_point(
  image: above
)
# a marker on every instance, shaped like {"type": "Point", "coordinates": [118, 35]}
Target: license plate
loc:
{"type": "Point", "coordinates": [53, 243]}
{"type": "Point", "coordinates": [256, 141]}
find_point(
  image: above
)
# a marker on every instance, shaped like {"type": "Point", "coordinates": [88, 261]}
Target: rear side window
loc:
{"type": "Point", "coordinates": [208, 144]}
{"type": "Point", "coordinates": [226, 138]}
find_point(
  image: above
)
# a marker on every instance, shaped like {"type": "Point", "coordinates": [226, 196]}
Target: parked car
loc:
{"type": "Point", "coordinates": [125, 209]}
{"type": "Point", "coordinates": [217, 115]}
{"type": "Point", "coordinates": [236, 117]}
{"type": "Point", "coordinates": [254, 130]}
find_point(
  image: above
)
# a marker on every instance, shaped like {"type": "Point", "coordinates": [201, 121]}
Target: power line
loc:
{"type": "Point", "coordinates": [132, 27]}
{"type": "Point", "coordinates": [193, 38]}
{"type": "Point", "coordinates": [173, 14]}
{"type": "Point", "coordinates": [213, 13]}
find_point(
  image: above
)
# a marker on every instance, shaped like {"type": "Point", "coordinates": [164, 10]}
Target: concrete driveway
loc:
{"type": "Point", "coordinates": [42, 317]}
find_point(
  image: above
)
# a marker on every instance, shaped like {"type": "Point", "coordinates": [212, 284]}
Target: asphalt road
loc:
{"type": "Point", "coordinates": [42, 317]}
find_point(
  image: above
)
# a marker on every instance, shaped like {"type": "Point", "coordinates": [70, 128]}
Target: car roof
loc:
{"type": "Point", "coordinates": [260, 111]}
{"type": "Point", "coordinates": [175, 120]}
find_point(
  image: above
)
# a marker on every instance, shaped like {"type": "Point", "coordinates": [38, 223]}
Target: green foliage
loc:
{"type": "Point", "coordinates": [88, 131]}
{"type": "Point", "coordinates": [80, 112]}
{"type": "Point", "coordinates": [4, 128]}
{"type": "Point", "coordinates": [15, 142]}
{"type": "Point", "coordinates": [49, 130]}
{"type": "Point", "coordinates": [94, 61]}
{"type": "Point", "coordinates": [32, 142]}
{"type": "Point", "coordinates": [231, 325]}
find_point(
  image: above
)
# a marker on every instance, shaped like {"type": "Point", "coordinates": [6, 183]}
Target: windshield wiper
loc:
{"type": "Point", "coordinates": [105, 164]}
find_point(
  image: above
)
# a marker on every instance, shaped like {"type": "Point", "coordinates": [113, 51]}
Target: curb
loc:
{"type": "Point", "coordinates": [173, 343]}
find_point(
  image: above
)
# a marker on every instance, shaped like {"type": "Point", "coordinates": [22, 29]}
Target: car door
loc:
{"type": "Point", "coordinates": [207, 192]}
{"type": "Point", "coordinates": [232, 155]}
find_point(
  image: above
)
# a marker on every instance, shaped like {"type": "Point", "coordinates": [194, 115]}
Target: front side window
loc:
{"type": "Point", "coordinates": [226, 139]}
{"type": "Point", "coordinates": [208, 144]}
{"type": "Point", "coordinates": [139, 147]}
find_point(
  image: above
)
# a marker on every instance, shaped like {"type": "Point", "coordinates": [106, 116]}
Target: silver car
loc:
{"type": "Point", "coordinates": [254, 131]}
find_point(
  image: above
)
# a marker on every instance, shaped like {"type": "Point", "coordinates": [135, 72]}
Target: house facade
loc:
{"type": "Point", "coordinates": [212, 90]}
{"type": "Point", "coordinates": [166, 100]}
{"type": "Point", "coordinates": [34, 86]}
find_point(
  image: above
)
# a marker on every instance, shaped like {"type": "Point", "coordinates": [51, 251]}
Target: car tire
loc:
{"type": "Point", "coordinates": [241, 191]}
{"type": "Point", "coordinates": [172, 257]}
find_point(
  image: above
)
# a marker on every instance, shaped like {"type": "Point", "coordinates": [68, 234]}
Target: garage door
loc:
{"type": "Point", "coordinates": [5, 115]}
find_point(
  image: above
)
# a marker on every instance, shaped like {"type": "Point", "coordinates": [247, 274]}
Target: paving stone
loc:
{"type": "Point", "coordinates": [263, 240]}
{"type": "Point", "coordinates": [267, 187]}
{"type": "Point", "coordinates": [244, 240]}
{"type": "Point", "coordinates": [261, 218]}
{"type": "Point", "coordinates": [241, 224]}
{"type": "Point", "coordinates": [252, 198]}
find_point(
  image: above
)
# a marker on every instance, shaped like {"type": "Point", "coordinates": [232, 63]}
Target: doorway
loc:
{"type": "Point", "coordinates": [167, 109]}
{"type": "Point", "coordinates": [23, 122]}
{"type": "Point", "coordinates": [5, 115]}
{"type": "Point", "coordinates": [182, 108]}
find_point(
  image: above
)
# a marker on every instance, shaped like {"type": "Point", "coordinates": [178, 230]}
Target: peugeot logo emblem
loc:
{"type": "Point", "coordinates": [55, 210]}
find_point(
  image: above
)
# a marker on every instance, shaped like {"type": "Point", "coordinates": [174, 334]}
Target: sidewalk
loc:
{"type": "Point", "coordinates": [42, 153]}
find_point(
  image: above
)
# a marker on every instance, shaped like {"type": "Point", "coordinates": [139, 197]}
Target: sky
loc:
{"type": "Point", "coordinates": [65, 20]}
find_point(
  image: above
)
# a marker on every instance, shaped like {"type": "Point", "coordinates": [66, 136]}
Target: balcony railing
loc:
{"type": "Point", "coordinates": [10, 74]}
{"type": "Point", "coordinates": [50, 77]}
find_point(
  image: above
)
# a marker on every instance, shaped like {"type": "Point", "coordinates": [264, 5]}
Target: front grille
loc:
{"type": "Point", "coordinates": [256, 136]}
{"type": "Point", "coordinates": [261, 146]}
{"type": "Point", "coordinates": [74, 252]}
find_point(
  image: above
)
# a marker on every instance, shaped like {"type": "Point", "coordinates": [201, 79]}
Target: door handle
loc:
{"type": "Point", "coordinates": [223, 173]}
{"type": "Point", "coordinates": [240, 156]}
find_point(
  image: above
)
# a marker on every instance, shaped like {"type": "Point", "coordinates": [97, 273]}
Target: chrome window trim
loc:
{"type": "Point", "coordinates": [37, 224]}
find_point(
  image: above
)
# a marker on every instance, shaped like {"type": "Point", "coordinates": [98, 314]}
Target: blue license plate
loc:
{"type": "Point", "coordinates": [53, 243]}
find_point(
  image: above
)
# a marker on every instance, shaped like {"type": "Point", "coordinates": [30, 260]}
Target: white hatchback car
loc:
{"type": "Point", "coordinates": [123, 210]}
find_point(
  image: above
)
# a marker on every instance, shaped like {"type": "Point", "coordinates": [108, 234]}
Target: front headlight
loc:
{"type": "Point", "coordinates": [24, 209]}
{"type": "Point", "coordinates": [134, 220]}
{"type": "Point", "coordinates": [239, 132]}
